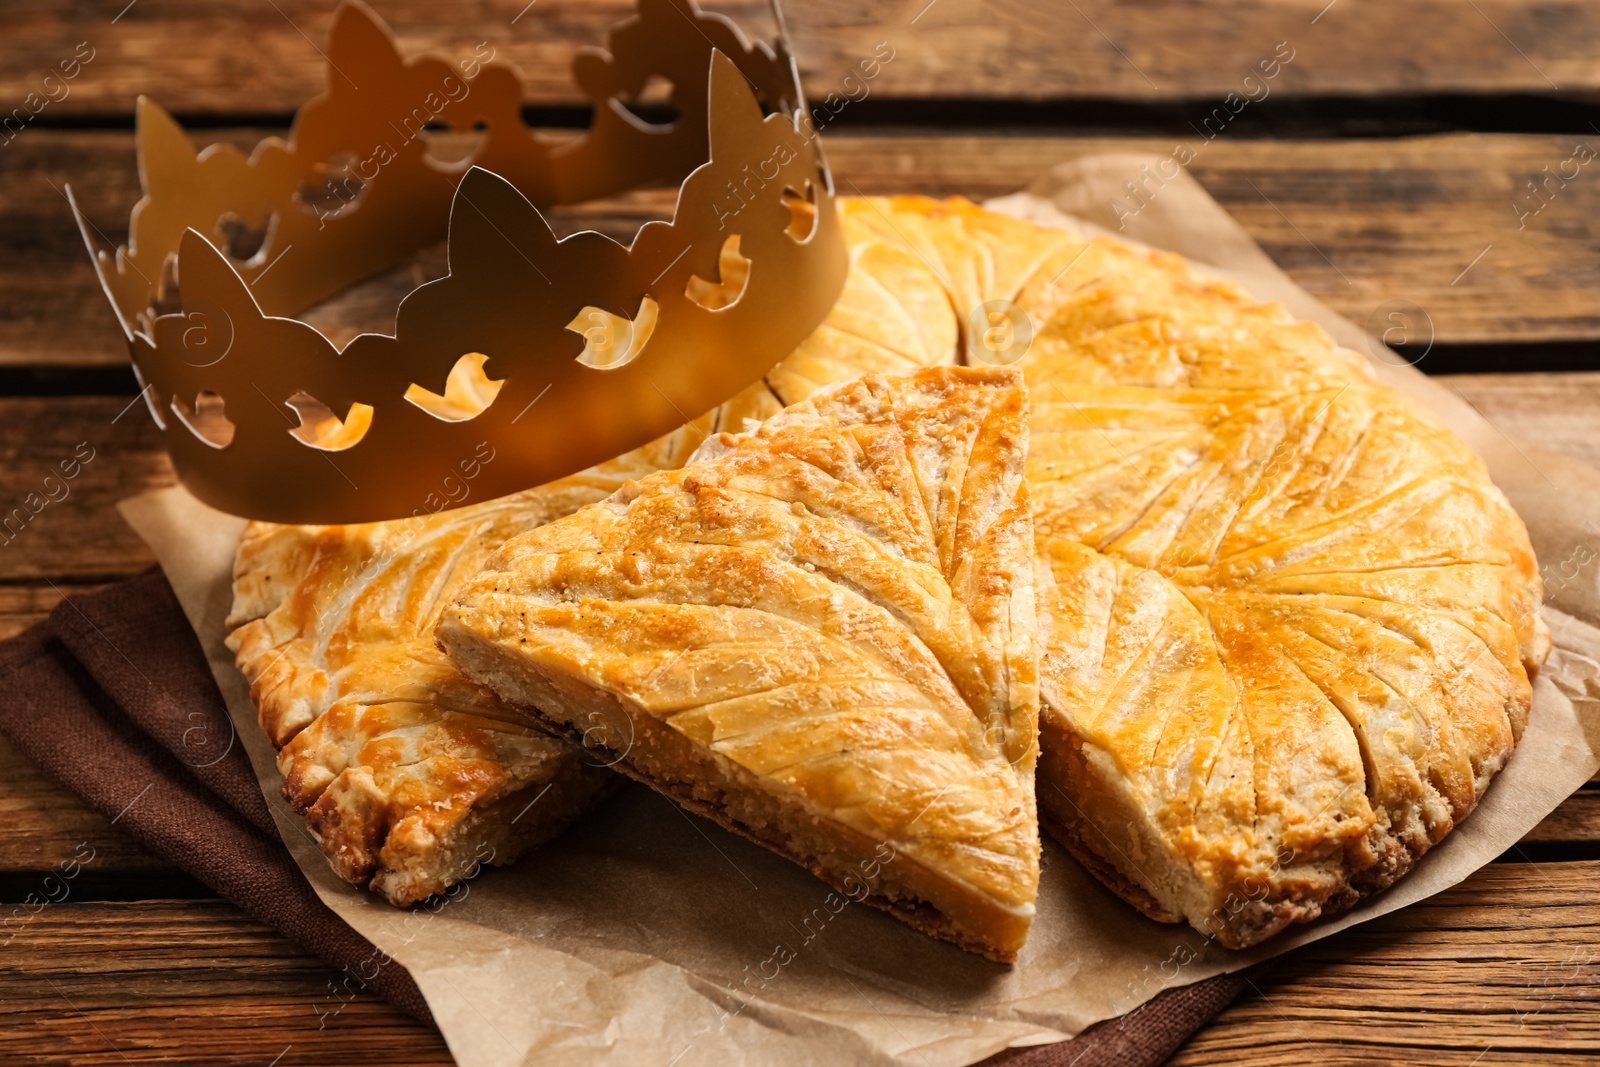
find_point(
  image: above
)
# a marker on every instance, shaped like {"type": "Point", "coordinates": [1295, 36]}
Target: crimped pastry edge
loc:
{"type": "Point", "coordinates": [1242, 913]}
{"type": "Point", "coordinates": [269, 568]}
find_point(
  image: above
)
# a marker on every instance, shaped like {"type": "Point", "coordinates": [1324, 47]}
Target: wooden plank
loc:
{"type": "Point", "coordinates": [55, 529]}
{"type": "Point", "coordinates": [1503, 969]}
{"type": "Point", "coordinates": [1576, 820]}
{"type": "Point", "coordinates": [221, 56]}
{"type": "Point", "coordinates": [44, 828]}
{"type": "Point", "coordinates": [108, 983]}
{"type": "Point", "coordinates": [1358, 223]}
{"type": "Point", "coordinates": [242, 56]}
{"type": "Point", "coordinates": [23, 605]}
{"type": "Point", "coordinates": [1560, 412]}
{"type": "Point", "coordinates": [186, 982]}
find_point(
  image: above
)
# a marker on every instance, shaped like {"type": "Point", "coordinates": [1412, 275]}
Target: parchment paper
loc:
{"type": "Point", "coordinates": [647, 936]}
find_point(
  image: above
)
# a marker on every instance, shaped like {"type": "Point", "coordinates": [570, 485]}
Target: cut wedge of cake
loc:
{"type": "Point", "coordinates": [820, 635]}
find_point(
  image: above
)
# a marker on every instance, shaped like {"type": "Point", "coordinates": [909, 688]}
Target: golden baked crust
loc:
{"type": "Point", "coordinates": [821, 634]}
{"type": "Point", "coordinates": [894, 316]}
{"type": "Point", "coordinates": [1288, 625]}
{"type": "Point", "coordinates": [407, 773]}
{"type": "Point", "coordinates": [1289, 622]}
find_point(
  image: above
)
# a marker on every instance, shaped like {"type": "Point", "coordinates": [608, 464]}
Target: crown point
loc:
{"type": "Point", "coordinates": [360, 40]}
{"type": "Point", "coordinates": [164, 149]}
{"type": "Point", "coordinates": [205, 273]}
{"type": "Point", "coordinates": [354, 16]}
{"type": "Point", "coordinates": [480, 182]}
{"type": "Point", "coordinates": [484, 197]}
{"type": "Point", "coordinates": [732, 101]}
{"type": "Point", "coordinates": [151, 120]}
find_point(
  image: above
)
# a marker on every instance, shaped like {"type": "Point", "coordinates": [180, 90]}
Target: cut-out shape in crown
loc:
{"type": "Point", "coordinates": [533, 357]}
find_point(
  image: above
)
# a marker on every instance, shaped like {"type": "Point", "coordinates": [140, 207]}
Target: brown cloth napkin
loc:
{"type": "Point", "coordinates": [112, 697]}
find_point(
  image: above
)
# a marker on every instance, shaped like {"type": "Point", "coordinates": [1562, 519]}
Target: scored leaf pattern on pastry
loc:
{"type": "Point", "coordinates": [893, 317]}
{"type": "Point", "coordinates": [1290, 623]}
{"type": "Point", "coordinates": [838, 602]}
{"type": "Point", "coordinates": [408, 774]}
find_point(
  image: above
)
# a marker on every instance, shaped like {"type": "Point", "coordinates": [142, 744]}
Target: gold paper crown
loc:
{"type": "Point", "coordinates": [534, 357]}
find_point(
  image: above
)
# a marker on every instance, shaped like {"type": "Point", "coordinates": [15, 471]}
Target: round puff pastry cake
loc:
{"type": "Point", "coordinates": [820, 634]}
{"type": "Point", "coordinates": [1288, 626]}
{"type": "Point", "coordinates": [408, 774]}
{"type": "Point", "coordinates": [1289, 623]}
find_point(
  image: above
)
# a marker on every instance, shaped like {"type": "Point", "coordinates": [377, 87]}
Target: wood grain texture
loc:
{"type": "Point", "coordinates": [44, 828]}
{"type": "Point", "coordinates": [23, 605]}
{"type": "Point", "coordinates": [186, 982]}
{"type": "Point", "coordinates": [237, 55]}
{"type": "Point", "coordinates": [1560, 412]}
{"type": "Point", "coordinates": [86, 983]}
{"type": "Point", "coordinates": [56, 530]}
{"type": "Point", "coordinates": [1357, 223]}
{"type": "Point", "coordinates": [1462, 978]}
{"type": "Point", "coordinates": [1576, 820]}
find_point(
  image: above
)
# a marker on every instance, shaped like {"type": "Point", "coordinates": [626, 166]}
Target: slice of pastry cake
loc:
{"type": "Point", "coordinates": [820, 635]}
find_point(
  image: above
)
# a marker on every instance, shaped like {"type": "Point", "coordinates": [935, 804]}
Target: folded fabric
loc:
{"type": "Point", "coordinates": [112, 697]}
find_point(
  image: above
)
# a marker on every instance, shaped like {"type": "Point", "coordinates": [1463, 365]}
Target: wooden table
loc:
{"type": "Point", "coordinates": [1391, 160]}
